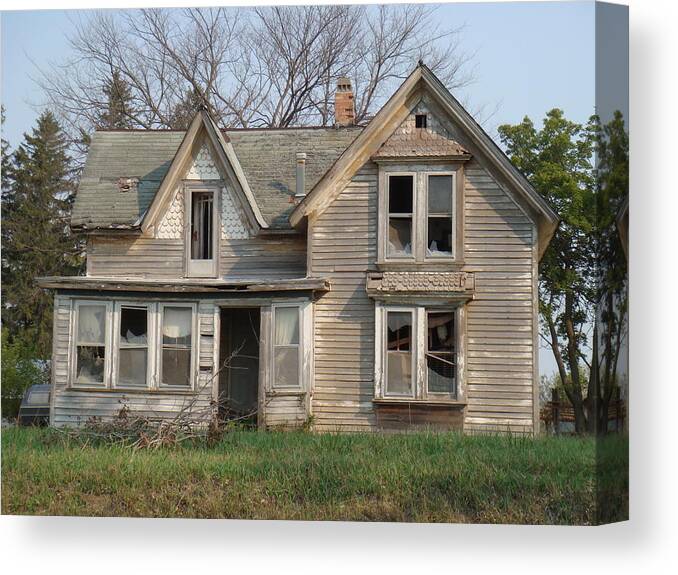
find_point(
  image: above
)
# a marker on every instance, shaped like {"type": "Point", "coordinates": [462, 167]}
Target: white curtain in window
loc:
{"type": "Point", "coordinates": [286, 326]}
{"type": "Point", "coordinates": [176, 322]}
{"type": "Point", "coordinates": [91, 320]}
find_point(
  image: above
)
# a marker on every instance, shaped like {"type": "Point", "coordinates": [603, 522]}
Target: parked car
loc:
{"type": "Point", "coordinates": [34, 408]}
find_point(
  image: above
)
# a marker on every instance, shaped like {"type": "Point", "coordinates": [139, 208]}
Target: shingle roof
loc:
{"type": "Point", "coordinates": [420, 142]}
{"type": "Point", "coordinates": [268, 158]}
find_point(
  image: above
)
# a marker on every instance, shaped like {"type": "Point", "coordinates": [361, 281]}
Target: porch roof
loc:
{"type": "Point", "coordinates": [182, 285]}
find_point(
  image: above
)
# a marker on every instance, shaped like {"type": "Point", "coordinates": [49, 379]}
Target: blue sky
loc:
{"type": "Point", "coordinates": [529, 57]}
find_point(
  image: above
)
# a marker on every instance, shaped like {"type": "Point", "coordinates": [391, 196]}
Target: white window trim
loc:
{"type": "Point", "coordinates": [413, 256]}
{"type": "Point", "coordinates": [150, 343]}
{"type": "Point", "coordinates": [453, 217]}
{"type": "Point", "coordinates": [195, 339]}
{"type": "Point", "coordinates": [74, 347]}
{"type": "Point", "coordinates": [419, 368]}
{"type": "Point", "coordinates": [420, 173]}
{"type": "Point", "coordinates": [300, 348]}
{"type": "Point", "coordinates": [202, 268]}
{"type": "Point", "coordinates": [413, 350]}
{"type": "Point", "coordinates": [441, 394]}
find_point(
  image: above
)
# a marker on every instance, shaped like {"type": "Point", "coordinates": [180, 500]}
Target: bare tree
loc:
{"type": "Point", "coordinates": [272, 66]}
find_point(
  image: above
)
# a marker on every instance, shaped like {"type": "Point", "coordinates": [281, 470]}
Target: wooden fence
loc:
{"type": "Point", "coordinates": [558, 414]}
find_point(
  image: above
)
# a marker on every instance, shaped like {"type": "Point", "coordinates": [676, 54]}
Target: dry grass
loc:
{"type": "Point", "coordinates": [273, 475]}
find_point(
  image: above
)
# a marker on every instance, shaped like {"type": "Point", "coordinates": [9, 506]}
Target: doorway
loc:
{"type": "Point", "coordinates": [239, 360]}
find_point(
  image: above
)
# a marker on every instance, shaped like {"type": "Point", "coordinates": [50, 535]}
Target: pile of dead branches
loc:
{"type": "Point", "coordinates": [193, 423]}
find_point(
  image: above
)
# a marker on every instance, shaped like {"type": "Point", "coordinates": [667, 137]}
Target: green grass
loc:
{"type": "Point", "coordinates": [273, 475]}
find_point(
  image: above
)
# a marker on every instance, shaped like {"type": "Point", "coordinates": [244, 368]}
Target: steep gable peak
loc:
{"type": "Point", "coordinates": [205, 153]}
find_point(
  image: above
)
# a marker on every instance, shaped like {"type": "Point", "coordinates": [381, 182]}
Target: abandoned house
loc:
{"type": "Point", "coordinates": [350, 277]}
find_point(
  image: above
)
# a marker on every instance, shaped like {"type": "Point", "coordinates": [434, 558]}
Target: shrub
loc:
{"type": "Point", "coordinates": [20, 370]}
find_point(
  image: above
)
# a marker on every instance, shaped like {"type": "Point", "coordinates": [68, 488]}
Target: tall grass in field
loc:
{"type": "Point", "coordinates": [297, 475]}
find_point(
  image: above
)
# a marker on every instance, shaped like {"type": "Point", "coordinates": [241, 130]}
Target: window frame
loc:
{"type": "Point", "coordinates": [300, 346]}
{"type": "Point", "coordinates": [198, 268]}
{"type": "Point", "coordinates": [421, 171]}
{"type": "Point", "coordinates": [195, 337]}
{"type": "Point", "coordinates": [118, 305]}
{"type": "Point", "coordinates": [413, 234]}
{"type": "Point", "coordinates": [413, 350]}
{"type": "Point", "coordinates": [419, 346]}
{"type": "Point", "coordinates": [441, 394]}
{"type": "Point", "coordinates": [105, 384]}
{"type": "Point", "coordinates": [453, 216]}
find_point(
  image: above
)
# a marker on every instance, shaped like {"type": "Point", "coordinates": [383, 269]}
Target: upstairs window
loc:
{"type": "Point", "coordinates": [439, 231]}
{"type": "Point", "coordinates": [418, 215]}
{"type": "Point", "coordinates": [420, 120]}
{"type": "Point", "coordinates": [202, 232]}
{"type": "Point", "coordinates": [400, 215]}
{"type": "Point", "coordinates": [201, 225]}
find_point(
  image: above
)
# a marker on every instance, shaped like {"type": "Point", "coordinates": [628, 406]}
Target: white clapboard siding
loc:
{"type": "Point", "coordinates": [344, 248]}
{"type": "Point", "coordinates": [499, 250]}
{"type": "Point", "coordinates": [265, 258]}
{"type": "Point", "coordinates": [285, 410]}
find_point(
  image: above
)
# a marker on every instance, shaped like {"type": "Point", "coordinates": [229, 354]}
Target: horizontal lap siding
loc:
{"type": "Point", "coordinates": [264, 258]}
{"type": "Point", "coordinates": [75, 407]}
{"type": "Point", "coordinates": [344, 247]}
{"type": "Point", "coordinates": [135, 257]}
{"type": "Point", "coordinates": [285, 411]}
{"type": "Point", "coordinates": [499, 327]}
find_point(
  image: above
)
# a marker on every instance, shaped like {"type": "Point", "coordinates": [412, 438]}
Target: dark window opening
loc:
{"type": "Point", "coordinates": [133, 354]}
{"type": "Point", "coordinates": [440, 352]}
{"type": "Point", "coordinates": [398, 353]}
{"type": "Point", "coordinates": [201, 225]}
{"type": "Point", "coordinates": [420, 120]}
{"type": "Point", "coordinates": [401, 211]}
{"type": "Point", "coordinates": [177, 339]}
{"type": "Point", "coordinates": [439, 233]}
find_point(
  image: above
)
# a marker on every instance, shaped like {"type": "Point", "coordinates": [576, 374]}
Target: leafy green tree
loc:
{"type": "Point", "coordinates": [558, 161]}
{"type": "Point", "coordinates": [36, 238]}
{"type": "Point", "coordinates": [612, 184]}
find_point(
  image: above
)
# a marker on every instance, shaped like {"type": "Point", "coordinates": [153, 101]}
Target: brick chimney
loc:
{"type": "Point", "coordinates": [344, 109]}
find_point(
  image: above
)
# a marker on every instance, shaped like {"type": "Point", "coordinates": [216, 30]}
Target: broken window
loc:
{"type": "Point", "coordinates": [400, 215]}
{"type": "Point", "coordinates": [90, 344]}
{"type": "Point", "coordinates": [440, 352]}
{"type": "Point", "coordinates": [439, 236]}
{"type": "Point", "coordinates": [133, 346]}
{"type": "Point", "coordinates": [177, 343]}
{"type": "Point", "coordinates": [202, 225]}
{"type": "Point", "coordinates": [399, 353]}
{"type": "Point", "coordinates": [286, 348]}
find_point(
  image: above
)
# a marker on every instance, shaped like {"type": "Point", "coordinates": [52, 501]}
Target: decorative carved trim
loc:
{"type": "Point", "coordinates": [431, 283]}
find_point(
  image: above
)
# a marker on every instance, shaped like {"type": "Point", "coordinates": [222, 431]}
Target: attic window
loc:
{"type": "Point", "coordinates": [420, 120]}
{"type": "Point", "coordinates": [201, 225]}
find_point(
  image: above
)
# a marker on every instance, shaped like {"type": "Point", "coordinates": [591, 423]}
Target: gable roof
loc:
{"type": "Point", "coordinates": [202, 122]}
{"type": "Point", "coordinates": [267, 158]}
{"type": "Point", "coordinates": [386, 121]}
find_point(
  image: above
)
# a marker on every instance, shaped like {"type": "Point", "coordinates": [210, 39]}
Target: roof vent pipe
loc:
{"type": "Point", "coordinates": [301, 175]}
